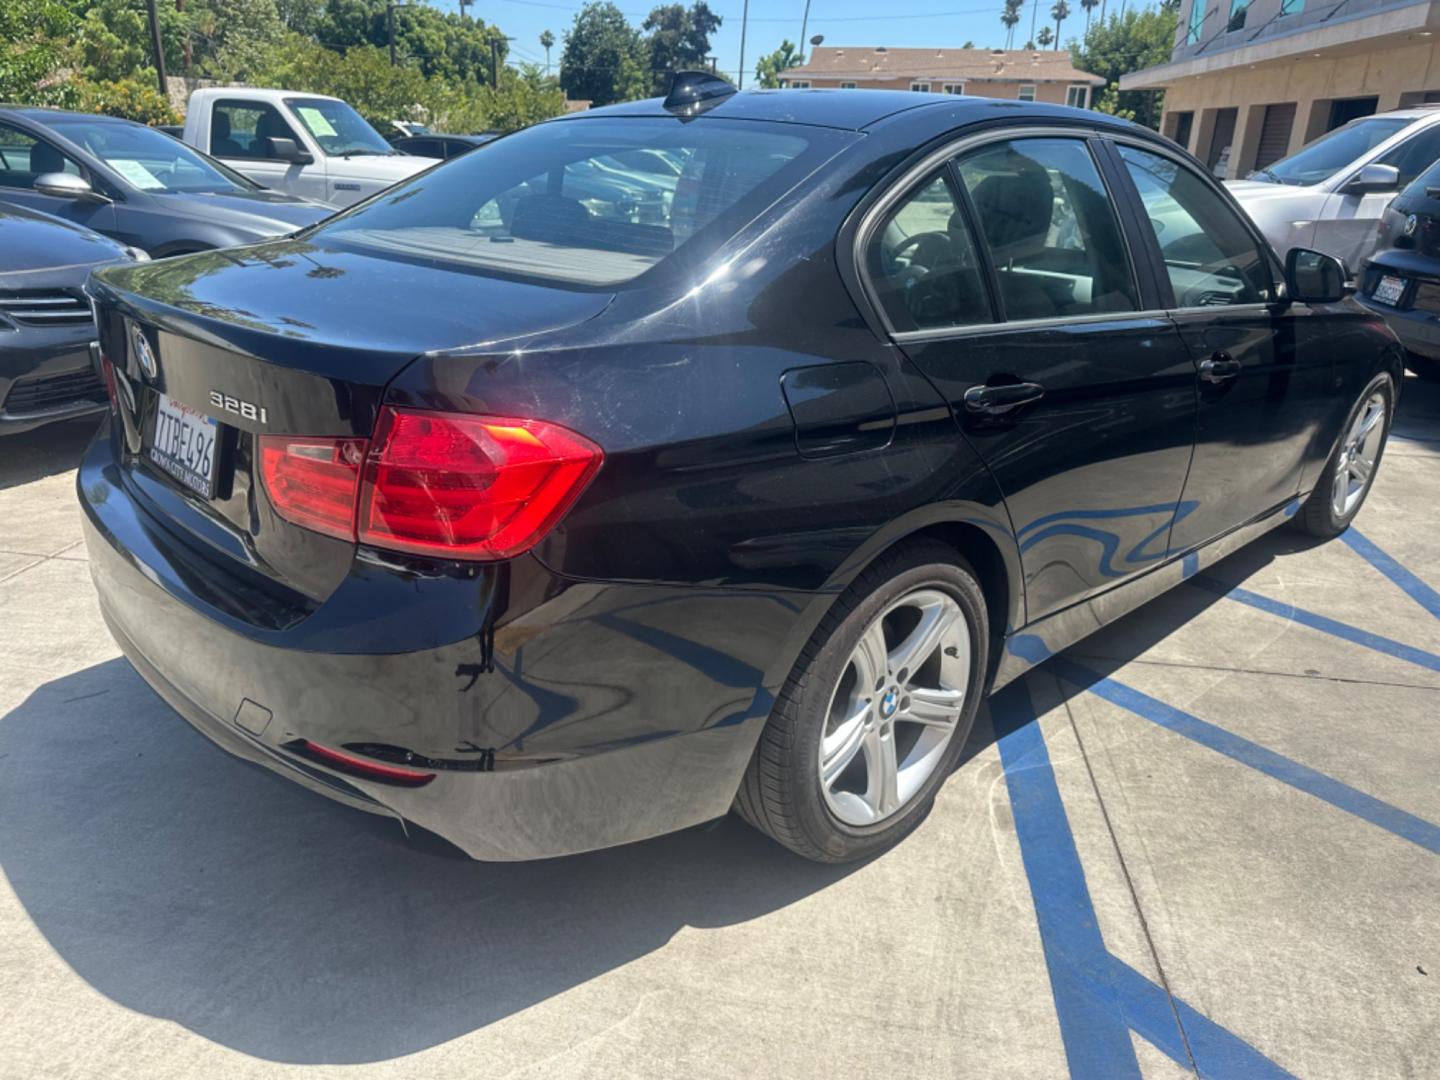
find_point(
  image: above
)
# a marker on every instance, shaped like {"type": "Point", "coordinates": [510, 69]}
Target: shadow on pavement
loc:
{"type": "Point", "coordinates": [1419, 414]}
{"type": "Point", "coordinates": [278, 924]}
{"type": "Point", "coordinates": [34, 455]}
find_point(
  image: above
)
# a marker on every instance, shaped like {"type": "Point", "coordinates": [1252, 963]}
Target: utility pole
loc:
{"type": "Point", "coordinates": [156, 49]}
{"type": "Point", "coordinates": [744, 22]}
{"type": "Point", "coordinates": [804, 22]}
{"type": "Point", "coordinates": [1034, 10]}
{"type": "Point", "coordinates": [495, 60]}
{"type": "Point", "coordinates": [390, 30]}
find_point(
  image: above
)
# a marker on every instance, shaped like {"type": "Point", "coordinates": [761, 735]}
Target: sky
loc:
{"type": "Point", "coordinates": [843, 22]}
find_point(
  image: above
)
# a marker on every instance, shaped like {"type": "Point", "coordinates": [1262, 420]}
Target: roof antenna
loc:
{"type": "Point", "coordinates": [692, 92]}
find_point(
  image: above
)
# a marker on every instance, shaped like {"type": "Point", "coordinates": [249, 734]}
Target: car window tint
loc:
{"type": "Point", "coordinates": [1414, 155]}
{"type": "Point", "coordinates": [238, 129]}
{"type": "Point", "coordinates": [1051, 228]}
{"type": "Point", "coordinates": [922, 263]}
{"type": "Point", "coordinates": [24, 157]}
{"type": "Point", "coordinates": [1210, 257]}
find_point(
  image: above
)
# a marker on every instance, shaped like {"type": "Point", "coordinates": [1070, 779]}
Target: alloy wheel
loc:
{"type": "Point", "coordinates": [1358, 454]}
{"type": "Point", "coordinates": [895, 708]}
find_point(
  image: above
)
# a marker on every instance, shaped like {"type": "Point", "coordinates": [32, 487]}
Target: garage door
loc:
{"type": "Point", "coordinates": [1217, 158]}
{"type": "Point", "coordinates": [1275, 133]}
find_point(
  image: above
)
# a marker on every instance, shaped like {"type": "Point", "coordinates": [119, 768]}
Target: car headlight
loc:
{"type": "Point", "coordinates": [138, 254]}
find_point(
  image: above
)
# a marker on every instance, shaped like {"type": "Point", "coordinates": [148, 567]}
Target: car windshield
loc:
{"type": "Point", "coordinates": [1330, 153]}
{"type": "Point", "coordinates": [337, 127]}
{"type": "Point", "coordinates": [148, 159]}
{"type": "Point", "coordinates": [589, 202]}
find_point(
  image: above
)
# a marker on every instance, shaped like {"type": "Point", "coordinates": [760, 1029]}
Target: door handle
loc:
{"type": "Point", "coordinates": [1221, 367]}
{"type": "Point", "coordinates": [995, 400]}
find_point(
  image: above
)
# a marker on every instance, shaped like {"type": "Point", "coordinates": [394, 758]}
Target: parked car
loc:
{"type": "Point", "coordinates": [137, 185]}
{"type": "Point", "coordinates": [1330, 195]}
{"type": "Point", "coordinates": [46, 329]}
{"type": "Point", "coordinates": [440, 147]}
{"type": "Point", "coordinates": [549, 531]}
{"type": "Point", "coordinates": [309, 145]}
{"type": "Point", "coordinates": [1402, 281]}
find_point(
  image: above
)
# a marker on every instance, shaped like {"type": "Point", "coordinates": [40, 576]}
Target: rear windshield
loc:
{"type": "Point", "coordinates": [589, 203]}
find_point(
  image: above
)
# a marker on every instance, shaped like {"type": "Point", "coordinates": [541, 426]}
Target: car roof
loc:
{"type": "Point", "coordinates": [39, 115]}
{"type": "Point", "coordinates": [255, 93]}
{"type": "Point", "coordinates": [850, 110]}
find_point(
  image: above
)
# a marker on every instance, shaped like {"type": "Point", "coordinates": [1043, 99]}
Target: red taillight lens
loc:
{"type": "Point", "coordinates": [107, 369]}
{"type": "Point", "coordinates": [313, 481]}
{"type": "Point", "coordinates": [355, 765]}
{"type": "Point", "coordinates": [469, 487]}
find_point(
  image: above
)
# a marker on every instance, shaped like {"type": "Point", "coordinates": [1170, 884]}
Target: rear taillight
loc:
{"type": "Point", "coordinates": [443, 484]}
{"type": "Point", "coordinates": [469, 487]}
{"type": "Point", "coordinates": [354, 765]}
{"type": "Point", "coordinates": [107, 369]}
{"type": "Point", "coordinates": [312, 481]}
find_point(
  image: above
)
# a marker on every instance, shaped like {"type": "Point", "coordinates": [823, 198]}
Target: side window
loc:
{"type": "Point", "coordinates": [1414, 155]}
{"type": "Point", "coordinates": [1210, 256]}
{"type": "Point", "coordinates": [238, 129]}
{"type": "Point", "coordinates": [24, 157]}
{"type": "Point", "coordinates": [922, 263]}
{"type": "Point", "coordinates": [1052, 230]}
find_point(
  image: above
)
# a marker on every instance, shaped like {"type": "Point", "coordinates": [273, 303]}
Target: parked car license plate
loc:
{"type": "Point", "coordinates": [184, 445]}
{"type": "Point", "coordinates": [1390, 289]}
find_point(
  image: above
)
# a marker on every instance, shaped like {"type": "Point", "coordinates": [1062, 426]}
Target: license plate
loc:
{"type": "Point", "coordinates": [184, 445]}
{"type": "Point", "coordinates": [1390, 289]}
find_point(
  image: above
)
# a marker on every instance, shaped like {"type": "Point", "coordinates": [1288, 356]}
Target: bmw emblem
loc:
{"type": "Point", "coordinates": [141, 348]}
{"type": "Point", "coordinates": [1411, 224]}
{"type": "Point", "coordinates": [888, 703]}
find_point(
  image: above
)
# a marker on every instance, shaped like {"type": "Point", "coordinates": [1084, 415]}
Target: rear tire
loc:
{"type": "Point", "coordinates": [876, 711]}
{"type": "Point", "coordinates": [1423, 366]}
{"type": "Point", "coordinates": [1345, 483]}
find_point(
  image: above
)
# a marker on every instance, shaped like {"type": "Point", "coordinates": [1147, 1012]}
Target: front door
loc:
{"type": "Point", "coordinates": [1081, 404]}
{"type": "Point", "coordinates": [238, 133]}
{"type": "Point", "coordinates": [24, 156]}
{"type": "Point", "coordinates": [1349, 223]}
{"type": "Point", "coordinates": [1262, 372]}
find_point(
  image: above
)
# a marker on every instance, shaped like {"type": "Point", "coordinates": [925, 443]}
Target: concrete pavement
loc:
{"type": "Point", "coordinates": [1206, 840]}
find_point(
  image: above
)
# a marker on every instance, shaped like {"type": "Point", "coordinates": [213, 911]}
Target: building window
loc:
{"type": "Point", "coordinates": [1197, 21]}
{"type": "Point", "coordinates": [847, 86]}
{"type": "Point", "coordinates": [1291, 7]}
{"type": "Point", "coordinates": [1238, 8]}
{"type": "Point", "coordinates": [922, 87]}
{"type": "Point", "coordinates": [1078, 97]}
{"type": "Point", "coordinates": [954, 88]}
{"type": "Point", "coordinates": [1027, 92]}
{"type": "Point", "coordinates": [797, 84]}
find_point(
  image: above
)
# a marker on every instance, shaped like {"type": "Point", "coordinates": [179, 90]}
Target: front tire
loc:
{"type": "Point", "coordinates": [876, 711]}
{"type": "Point", "coordinates": [1341, 490]}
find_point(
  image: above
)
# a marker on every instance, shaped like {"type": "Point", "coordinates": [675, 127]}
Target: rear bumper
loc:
{"type": "Point", "coordinates": [1418, 331]}
{"type": "Point", "coordinates": [613, 713]}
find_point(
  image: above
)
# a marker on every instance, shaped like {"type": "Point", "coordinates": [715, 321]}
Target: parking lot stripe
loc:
{"type": "Point", "coordinates": [1392, 568]}
{"type": "Point", "coordinates": [1323, 623]}
{"type": "Point", "coordinates": [1288, 771]}
{"type": "Point", "coordinates": [1099, 998]}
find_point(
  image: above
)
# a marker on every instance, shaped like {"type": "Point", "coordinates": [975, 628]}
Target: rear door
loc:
{"type": "Point", "coordinates": [1262, 368]}
{"type": "Point", "coordinates": [1035, 327]}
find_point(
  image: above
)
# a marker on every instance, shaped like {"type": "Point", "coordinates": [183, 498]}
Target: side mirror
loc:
{"type": "Point", "coordinates": [283, 149]}
{"type": "Point", "coordinates": [63, 185]}
{"type": "Point", "coordinates": [1312, 277]}
{"type": "Point", "coordinates": [1373, 178]}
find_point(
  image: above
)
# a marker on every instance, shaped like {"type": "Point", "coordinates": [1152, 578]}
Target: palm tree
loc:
{"type": "Point", "coordinates": [1044, 38]}
{"type": "Point", "coordinates": [1059, 11]}
{"type": "Point", "coordinates": [1089, 6]}
{"type": "Point", "coordinates": [1011, 19]}
{"type": "Point", "coordinates": [547, 39]}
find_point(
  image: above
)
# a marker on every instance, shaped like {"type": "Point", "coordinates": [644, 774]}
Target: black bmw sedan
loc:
{"type": "Point", "coordinates": [46, 329]}
{"type": "Point", "coordinates": [137, 185]}
{"type": "Point", "coordinates": [547, 531]}
{"type": "Point", "coordinates": [1401, 281]}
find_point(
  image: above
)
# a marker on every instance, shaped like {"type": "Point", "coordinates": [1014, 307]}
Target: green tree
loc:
{"type": "Point", "coordinates": [1124, 43]}
{"type": "Point", "coordinates": [605, 58]}
{"type": "Point", "coordinates": [1089, 6]}
{"type": "Point", "coordinates": [114, 40]}
{"type": "Point", "coordinates": [437, 42]}
{"type": "Point", "coordinates": [1059, 11]}
{"type": "Point", "coordinates": [132, 98]}
{"type": "Point", "coordinates": [237, 37]}
{"type": "Point", "coordinates": [679, 39]}
{"type": "Point", "coordinates": [547, 42]}
{"type": "Point", "coordinates": [769, 67]}
{"type": "Point", "coordinates": [1044, 38]}
{"type": "Point", "coordinates": [34, 44]}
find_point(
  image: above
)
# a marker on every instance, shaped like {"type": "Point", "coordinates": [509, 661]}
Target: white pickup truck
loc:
{"type": "Point", "coordinates": [306, 144]}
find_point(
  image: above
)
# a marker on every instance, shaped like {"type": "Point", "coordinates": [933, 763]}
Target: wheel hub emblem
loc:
{"type": "Point", "coordinates": [888, 703]}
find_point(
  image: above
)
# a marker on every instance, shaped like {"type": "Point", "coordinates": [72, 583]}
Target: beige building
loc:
{"type": "Point", "coordinates": [1017, 74]}
{"type": "Point", "coordinates": [1250, 81]}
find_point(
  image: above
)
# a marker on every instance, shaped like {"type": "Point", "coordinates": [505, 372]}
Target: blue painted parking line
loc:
{"type": "Point", "coordinates": [1099, 999]}
{"type": "Point", "coordinates": [1288, 771]}
{"type": "Point", "coordinates": [1323, 623]}
{"type": "Point", "coordinates": [1392, 568]}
